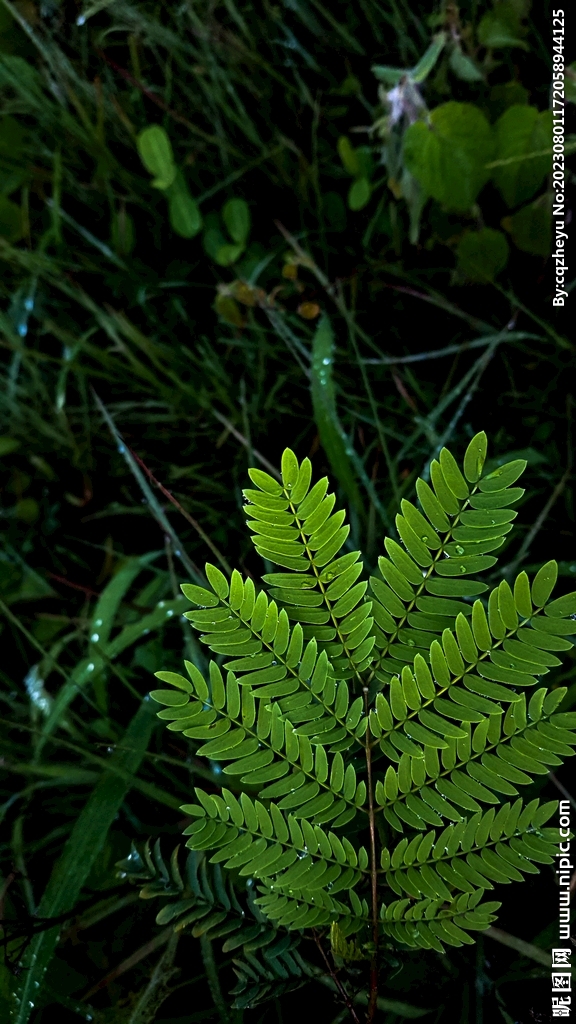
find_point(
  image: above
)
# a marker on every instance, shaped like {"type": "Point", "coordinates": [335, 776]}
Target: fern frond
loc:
{"type": "Point", "coordinates": [463, 516]}
{"type": "Point", "coordinates": [469, 855]}
{"type": "Point", "coordinates": [209, 904]}
{"type": "Point", "coordinates": [272, 659]}
{"type": "Point", "coordinates": [429, 923]}
{"type": "Point", "coordinates": [262, 746]}
{"type": "Point", "coordinates": [300, 863]}
{"type": "Point", "coordinates": [482, 766]}
{"type": "Point", "coordinates": [294, 908]}
{"type": "Point", "coordinates": [472, 672]}
{"type": "Point", "coordinates": [449, 718]}
{"type": "Point", "coordinates": [295, 527]}
{"type": "Point", "coordinates": [262, 842]}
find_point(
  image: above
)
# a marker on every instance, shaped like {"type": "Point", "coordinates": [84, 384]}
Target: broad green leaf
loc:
{"type": "Point", "coordinates": [449, 153]}
{"type": "Point", "coordinates": [359, 194]}
{"type": "Point", "coordinates": [228, 254]}
{"type": "Point", "coordinates": [523, 152]}
{"type": "Point", "coordinates": [531, 227]}
{"type": "Point", "coordinates": [500, 27]}
{"type": "Point", "coordinates": [455, 588]}
{"type": "Point", "coordinates": [464, 67]}
{"type": "Point", "coordinates": [155, 151]}
{"type": "Point", "coordinates": [503, 476]}
{"type": "Point", "coordinates": [185, 216]}
{"type": "Point", "coordinates": [228, 309]}
{"type": "Point", "coordinates": [544, 583]}
{"type": "Point", "coordinates": [213, 238]}
{"type": "Point", "coordinates": [236, 216]}
{"type": "Point", "coordinates": [474, 458]}
{"type": "Point", "coordinates": [199, 595]}
{"type": "Point", "coordinates": [481, 255]}
{"type": "Point", "coordinates": [348, 156]}
{"type": "Point", "coordinates": [496, 499]}
{"type": "Point", "coordinates": [562, 606]}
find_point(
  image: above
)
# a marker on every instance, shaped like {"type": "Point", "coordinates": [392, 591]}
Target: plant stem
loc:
{"type": "Point", "coordinates": [337, 982]}
{"type": "Point", "coordinates": [372, 1002]}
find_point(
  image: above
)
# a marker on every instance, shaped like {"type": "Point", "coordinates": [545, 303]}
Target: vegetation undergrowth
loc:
{"type": "Point", "coordinates": [218, 237]}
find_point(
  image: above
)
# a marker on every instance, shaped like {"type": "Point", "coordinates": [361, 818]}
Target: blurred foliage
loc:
{"type": "Point", "coordinates": [180, 282]}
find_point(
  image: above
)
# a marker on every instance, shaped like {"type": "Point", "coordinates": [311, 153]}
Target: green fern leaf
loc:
{"type": "Point", "coordinates": [420, 695]}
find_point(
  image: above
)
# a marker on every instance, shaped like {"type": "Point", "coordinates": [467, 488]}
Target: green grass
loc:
{"type": "Point", "coordinates": [110, 340]}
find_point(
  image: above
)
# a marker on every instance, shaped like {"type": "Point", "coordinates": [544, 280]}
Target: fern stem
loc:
{"type": "Point", "coordinates": [372, 1003]}
{"type": "Point", "coordinates": [336, 980]}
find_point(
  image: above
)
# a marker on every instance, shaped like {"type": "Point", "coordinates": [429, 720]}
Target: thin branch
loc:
{"type": "Point", "coordinates": [336, 980]}
{"type": "Point", "coordinates": [174, 501]}
{"type": "Point", "coordinates": [539, 523]}
{"type": "Point", "coordinates": [562, 789]}
{"type": "Point", "coordinates": [441, 303]}
{"type": "Point", "coordinates": [560, 486]}
{"type": "Point", "coordinates": [155, 507]}
{"type": "Point", "coordinates": [372, 1003]}
{"type": "Point", "coordinates": [384, 1005]}
{"type": "Point", "coordinates": [243, 440]}
{"type": "Point", "coordinates": [439, 353]}
{"type": "Point", "coordinates": [212, 139]}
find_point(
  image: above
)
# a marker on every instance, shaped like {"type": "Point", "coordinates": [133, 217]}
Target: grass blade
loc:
{"type": "Point", "coordinates": [80, 853]}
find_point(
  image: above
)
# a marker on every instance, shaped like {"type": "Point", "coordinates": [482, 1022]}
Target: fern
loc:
{"type": "Point", "coordinates": [264, 960]}
{"type": "Point", "coordinates": [407, 705]}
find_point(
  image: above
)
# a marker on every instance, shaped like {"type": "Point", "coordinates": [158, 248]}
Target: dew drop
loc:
{"type": "Point", "coordinates": [121, 449]}
{"type": "Point", "coordinates": [95, 638]}
{"type": "Point", "coordinates": [326, 361]}
{"type": "Point", "coordinates": [90, 667]}
{"type": "Point", "coordinates": [161, 604]}
{"type": "Point", "coordinates": [425, 538]}
{"type": "Point", "coordinates": [80, 20]}
{"type": "Point", "coordinates": [462, 568]}
{"type": "Point", "coordinates": [169, 613]}
{"type": "Point", "coordinates": [459, 549]}
{"type": "Point", "coordinates": [98, 622]}
{"type": "Point", "coordinates": [410, 643]}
